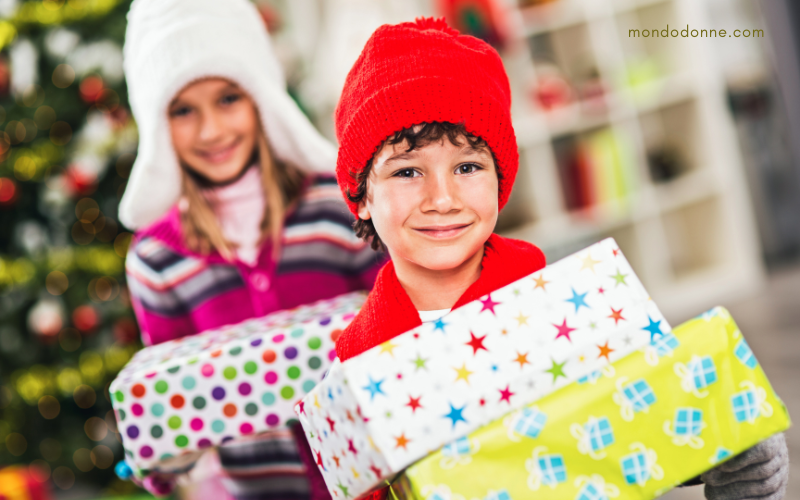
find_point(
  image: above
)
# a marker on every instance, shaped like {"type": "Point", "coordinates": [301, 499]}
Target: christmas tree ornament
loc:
{"type": "Point", "coordinates": [85, 318]}
{"type": "Point", "coordinates": [46, 318]}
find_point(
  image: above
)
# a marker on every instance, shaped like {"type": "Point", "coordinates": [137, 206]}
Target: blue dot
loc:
{"type": "Point", "coordinates": [268, 398]}
{"type": "Point", "coordinates": [188, 383]}
{"type": "Point", "coordinates": [157, 409]}
{"type": "Point", "coordinates": [217, 426]}
{"type": "Point", "coordinates": [308, 385]}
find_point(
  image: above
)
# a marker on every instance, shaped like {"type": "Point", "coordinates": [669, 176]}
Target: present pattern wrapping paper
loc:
{"type": "Point", "coordinates": [396, 403]}
{"type": "Point", "coordinates": [185, 395]}
{"type": "Point", "coordinates": [680, 406]}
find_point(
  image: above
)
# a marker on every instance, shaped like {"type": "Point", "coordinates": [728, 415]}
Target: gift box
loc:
{"type": "Point", "coordinates": [683, 404]}
{"type": "Point", "coordinates": [388, 407]}
{"type": "Point", "coordinates": [174, 399]}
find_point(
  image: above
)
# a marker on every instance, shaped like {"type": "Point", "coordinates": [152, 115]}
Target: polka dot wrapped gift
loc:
{"type": "Point", "coordinates": [175, 399]}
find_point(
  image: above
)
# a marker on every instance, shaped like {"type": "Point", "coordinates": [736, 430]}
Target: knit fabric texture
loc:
{"type": "Point", "coordinates": [418, 72]}
{"type": "Point", "coordinates": [388, 311]}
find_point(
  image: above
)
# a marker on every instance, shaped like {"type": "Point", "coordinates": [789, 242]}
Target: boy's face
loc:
{"type": "Point", "coordinates": [435, 206]}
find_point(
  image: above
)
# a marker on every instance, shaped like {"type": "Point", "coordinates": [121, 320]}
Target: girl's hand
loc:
{"type": "Point", "coordinates": [159, 485]}
{"type": "Point", "coordinates": [760, 472]}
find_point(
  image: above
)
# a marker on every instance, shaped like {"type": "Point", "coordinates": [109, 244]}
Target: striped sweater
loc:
{"type": "Point", "coordinates": [177, 292]}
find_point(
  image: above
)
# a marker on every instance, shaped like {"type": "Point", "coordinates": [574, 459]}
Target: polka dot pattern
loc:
{"type": "Point", "coordinates": [207, 389]}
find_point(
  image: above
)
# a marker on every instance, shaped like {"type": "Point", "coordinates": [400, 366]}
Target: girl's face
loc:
{"type": "Point", "coordinates": [214, 128]}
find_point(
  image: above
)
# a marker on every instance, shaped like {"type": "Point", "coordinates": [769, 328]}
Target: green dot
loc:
{"type": "Point", "coordinates": [174, 369]}
{"type": "Point", "coordinates": [308, 385]}
{"type": "Point", "coordinates": [199, 402]}
{"type": "Point", "coordinates": [161, 387]}
{"type": "Point", "coordinates": [174, 422]}
{"type": "Point", "coordinates": [293, 372]}
{"type": "Point", "coordinates": [157, 409]}
{"type": "Point", "coordinates": [156, 431]}
{"type": "Point", "coordinates": [192, 361]}
{"type": "Point", "coordinates": [250, 367]}
{"type": "Point", "coordinates": [287, 392]}
{"type": "Point", "coordinates": [251, 409]}
{"type": "Point", "coordinates": [297, 332]}
{"type": "Point", "coordinates": [291, 422]}
{"type": "Point", "coordinates": [235, 351]}
{"type": "Point", "coordinates": [121, 415]}
{"type": "Point", "coordinates": [217, 426]}
{"type": "Point", "coordinates": [188, 382]}
{"type": "Point", "coordinates": [181, 441]}
{"type": "Point", "coordinates": [314, 342]}
{"type": "Point", "coordinates": [314, 362]}
{"type": "Point", "coordinates": [229, 373]}
{"type": "Point", "coordinates": [268, 398]}
{"type": "Point", "coordinates": [119, 396]}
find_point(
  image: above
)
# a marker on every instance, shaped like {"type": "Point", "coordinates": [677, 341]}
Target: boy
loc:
{"type": "Point", "coordinates": [427, 159]}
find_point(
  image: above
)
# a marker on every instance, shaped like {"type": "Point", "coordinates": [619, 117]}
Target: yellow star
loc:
{"type": "Point", "coordinates": [372, 444]}
{"type": "Point", "coordinates": [388, 347]}
{"type": "Point", "coordinates": [463, 373]}
{"type": "Point", "coordinates": [589, 262]}
{"type": "Point", "coordinates": [522, 319]}
{"type": "Point", "coordinates": [316, 401]}
{"type": "Point", "coordinates": [355, 472]}
{"type": "Point", "coordinates": [581, 358]}
{"type": "Point", "coordinates": [540, 282]}
{"type": "Point", "coordinates": [504, 331]}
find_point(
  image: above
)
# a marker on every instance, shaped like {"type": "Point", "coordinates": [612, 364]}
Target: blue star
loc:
{"type": "Point", "coordinates": [330, 394]}
{"type": "Point", "coordinates": [653, 328]}
{"type": "Point", "coordinates": [439, 325]}
{"type": "Point", "coordinates": [455, 414]}
{"type": "Point", "coordinates": [579, 300]}
{"type": "Point", "coordinates": [374, 388]}
{"type": "Point", "coordinates": [494, 368]}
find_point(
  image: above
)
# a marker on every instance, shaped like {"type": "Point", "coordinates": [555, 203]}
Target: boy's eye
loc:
{"type": "Point", "coordinates": [180, 111]}
{"type": "Point", "coordinates": [407, 173]}
{"type": "Point", "coordinates": [230, 98]}
{"type": "Point", "coordinates": [467, 168]}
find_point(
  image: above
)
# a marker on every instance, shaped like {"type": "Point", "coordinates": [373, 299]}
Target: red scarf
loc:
{"type": "Point", "coordinates": [388, 311]}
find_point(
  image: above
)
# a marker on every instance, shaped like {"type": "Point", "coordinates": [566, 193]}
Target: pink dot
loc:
{"type": "Point", "coordinates": [196, 424]}
{"type": "Point", "coordinates": [278, 338]}
{"type": "Point", "coordinates": [150, 375]}
{"type": "Point", "coordinates": [137, 410]}
{"type": "Point", "coordinates": [273, 420]}
{"type": "Point", "coordinates": [207, 370]}
{"type": "Point", "coordinates": [246, 428]}
{"type": "Point", "coordinates": [332, 354]}
{"type": "Point", "coordinates": [204, 443]}
{"type": "Point", "coordinates": [348, 316]}
{"type": "Point", "coordinates": [146, 452]}
{"type": "Point", "coordinates": [271, 377]}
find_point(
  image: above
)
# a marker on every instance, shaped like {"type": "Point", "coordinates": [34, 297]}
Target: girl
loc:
{"type": "Point", "coordinates": [234, 214]}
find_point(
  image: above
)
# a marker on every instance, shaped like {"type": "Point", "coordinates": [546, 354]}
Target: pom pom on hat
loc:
{"type": "Point", "coordinates": [420, 72]}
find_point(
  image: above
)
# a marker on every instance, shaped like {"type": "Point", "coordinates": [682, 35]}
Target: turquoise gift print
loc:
{"type": "Point", "coordinates": [745, 354]}
{"type": "Point", "coordinates": [640, 394]}
{"type": "Point", "coordinates": [665, 344]}
{"type": "Point", "coordinates": [703, 371]}
{"type": "Point", "coordinates": [745, 406]}
{"type": "Point", "coordinates": [530, 423]}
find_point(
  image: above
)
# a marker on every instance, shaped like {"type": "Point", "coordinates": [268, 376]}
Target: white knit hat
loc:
{"type": "Point", "coordinates": [170, 43]}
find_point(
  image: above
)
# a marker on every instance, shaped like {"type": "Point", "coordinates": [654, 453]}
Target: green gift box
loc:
{"type": "Point", "coordinates": [654, 419]}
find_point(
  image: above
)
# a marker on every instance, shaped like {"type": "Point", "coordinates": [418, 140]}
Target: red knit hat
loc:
{"type": "Point", "coordinates": [418, 72]}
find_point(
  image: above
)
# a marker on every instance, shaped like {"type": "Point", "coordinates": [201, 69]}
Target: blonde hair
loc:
{"type": "Point", "coordinates": [282, 185]}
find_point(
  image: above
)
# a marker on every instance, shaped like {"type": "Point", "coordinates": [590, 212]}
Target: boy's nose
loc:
{"type": "Point", "coordinates": [441, 194]}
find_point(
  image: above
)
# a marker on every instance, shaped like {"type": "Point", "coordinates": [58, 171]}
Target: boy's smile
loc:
{"type": "Point", "coordinates": [433, 207]}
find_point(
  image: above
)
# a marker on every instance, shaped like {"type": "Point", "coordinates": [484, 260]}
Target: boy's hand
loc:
{"type": "Point", "coordinates": [761, 472]}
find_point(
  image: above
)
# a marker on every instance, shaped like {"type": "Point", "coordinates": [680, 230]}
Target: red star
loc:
{"type": "Point", "coordinates": [375, 471]}
{"type": "Point", "coordinates": [616, 315]}
{"type": "Point", "coordinates": [604, 351]}
{"type": "Point", "coordinates": [476, 343]}
{"type": "Point", "coordinates": [301, 407]}
{"type": "Point", "coordinates": [399, 376]}
{"type": "Point", "coordinates": [482, 402]}
{"type": "Point", "coordinates": [319, 458]}
{"type": "Point", "coordinates": [414, 403]}
{"type": "Point", "coordinates": [331, 422]}
{"type": "Point", "coordinates": [416, 335]}
{"type": "Point", "coordinates": [505, 395]}
{"type": "Point", "coordinates": [564, 330]}
{"type": "Point", "coordinates": [601, 290]}
{"type": "Point", "coordinates": [336, 459]}
{"type": "Point", "coordinates": [352, 447]}
{"type": "Point", "coordinates": [616, 251]}
{"type": "Point", "coordinates": [488, 304]}
{"type": "Point", "coordinates": [350, 416]}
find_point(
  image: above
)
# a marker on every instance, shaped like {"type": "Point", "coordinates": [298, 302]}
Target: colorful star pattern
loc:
{"type": "Point", "coordinates": [505, 395]}
{"type": "Point", "coordinates": [605, 351]}
{"type": "Point", "coordinates": [616, 315]}
{"type": "Point", "coordinates": [540, 282]}
{"type": "Point", "coordinates": [388, 347]}
{"type": "Point", "coordinates": [456, 415]}
{"type": "Point", "coordinates": [414, 403]}
{"type": "Point", "coordinates": [619, 278]}
{"type": "Point", "coordinates": [521, 319]}
{"type": "Point", "coordinates": [579, 300]}
{"type": "Point", "coordinates": [374, 388]}
{"type": "Point", "coordinates": [476, 343]}
{"type": "Point", "coordinates": [439, 324]}
{"type": "Point", "coordinates": [401, 441]}
{"type": "Point", "coordinates": [654, 328]}
{"type": "Point", "coordinates": [557, 370]}
{"type": "Point", "coordinates": [488, 304]}
{"type": "Point", "coordinates": [564, 330]}
{"type": "Point", "coordinates": [589, 262]}
{"type": "Point", "coordinates": [419, 363]}
{"type": "Point", "coordinates": [522, 359]}
{"type": "Point", "coordinates": [463, 373]}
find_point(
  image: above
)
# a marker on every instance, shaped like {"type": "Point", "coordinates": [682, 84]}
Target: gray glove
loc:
{"type": "Point", "coordinates": [762, 472]}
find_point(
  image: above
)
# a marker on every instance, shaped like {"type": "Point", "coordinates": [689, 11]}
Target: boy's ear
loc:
{"type": "Point", "coordinates": [363, 211]}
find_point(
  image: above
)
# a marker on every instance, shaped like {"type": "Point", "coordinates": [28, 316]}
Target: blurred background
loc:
{"type": "Point", "coordinates": [684, 149]}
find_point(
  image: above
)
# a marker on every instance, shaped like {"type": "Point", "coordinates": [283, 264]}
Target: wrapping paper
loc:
{"type": "Point", "coordinates": [680, 406]}
{"type": "Point", "coordinates": [387, 408]}
{"type": "Point", "coordinates": [174, 399]}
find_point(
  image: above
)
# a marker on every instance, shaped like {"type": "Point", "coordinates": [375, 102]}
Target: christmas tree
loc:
{"type": "Point", "coordinates": [67, 143]}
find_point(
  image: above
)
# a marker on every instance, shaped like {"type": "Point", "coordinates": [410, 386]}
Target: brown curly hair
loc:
{"type": "Point", "coordinates": [416, 136]}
